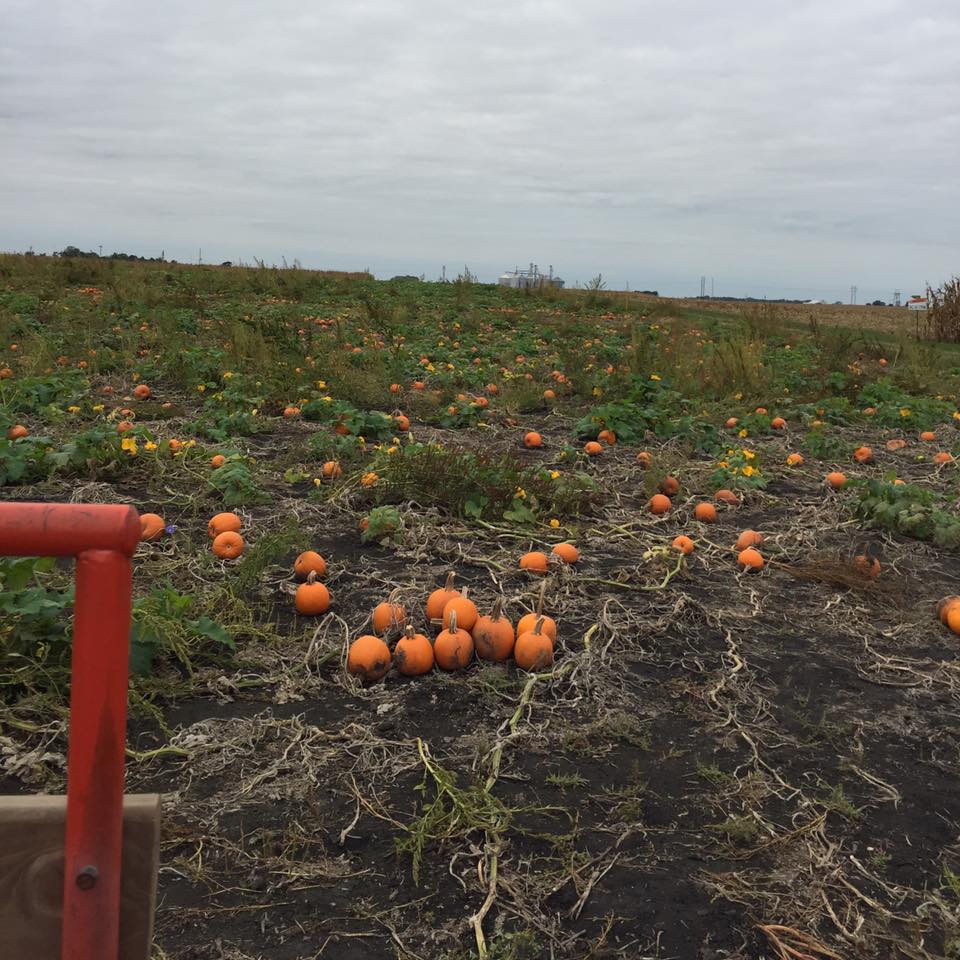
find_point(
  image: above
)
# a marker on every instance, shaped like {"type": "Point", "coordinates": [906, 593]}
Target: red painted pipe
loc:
{"type": "Point", "coordinates": [66, 529]}
{"type": "Point", "coordinates": [102, 538]}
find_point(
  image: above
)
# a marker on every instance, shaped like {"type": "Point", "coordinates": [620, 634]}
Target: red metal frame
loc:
{"type": "Point", "coordinates": [103, 539]}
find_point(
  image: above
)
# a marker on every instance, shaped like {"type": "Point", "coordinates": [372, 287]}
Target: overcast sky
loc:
{"type": "Point", "coordinates": [788, 147]}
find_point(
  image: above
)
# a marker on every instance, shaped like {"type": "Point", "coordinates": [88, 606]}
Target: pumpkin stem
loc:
{"type": "Point", "coordinates": [538, 626]}
{"type": "Point", "coordinates": [312, 576]}
{"type": "Point", "coordinates": [448, 585]}
{"type": "Point", "coordinates": [497, 609]}
{"type": "Point", "coordinates": [543, 593]}
{"type": "Point", "coordinates": [409, 633]}
{"type": "Point", "coordinates": [452, 628]}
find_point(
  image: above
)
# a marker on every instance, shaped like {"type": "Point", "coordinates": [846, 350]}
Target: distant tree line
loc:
{"type": "Point", "coordinates": [71, 251]}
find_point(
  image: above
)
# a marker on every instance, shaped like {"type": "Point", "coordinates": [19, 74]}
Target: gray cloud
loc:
{"type": "Point", "coordinates": [794, 147]}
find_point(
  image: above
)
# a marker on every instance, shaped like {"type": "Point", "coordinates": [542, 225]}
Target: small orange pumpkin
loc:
{"type": "Point", "coordinates": [403, 422]}
{"type": "Point", "coordinates": [645, 458]}
{"type": "Point", "coordinates": [331, 470]}
{"type": "Point", "coordinates": [592, 449]}
{"type": "Point", "coordinates": [659, 504]}
{"type": "Point", "coordinates": [223, 523]}
{"type": "Point", "coordinates": [942, 457]}
{"type": "Point", "coordinates": [731, 423]}
{"type": "Point", "coordinates": [124, 426]}
{"type": "Point", "coordinates": [836, 480]}
{"type": "Point", "coordinates": [228, 545]}
{"type": "Point", "coordinates": [863, 455]}
{"type": "Point", "coordinates": [867, 566]}
{"type": "Point", "coordinates": [669, 486]}
{"type": "Point", "coordinates": [141, 391]}
{"type": "Point", "coordinates": [778, 423]}
{"type": "Point", "coordinates": [549, 395]}
{"type": "Point", "coordinates": [309, 562]}
{"type": "Point", "coordinates": [684, 544]}
{"type": "Point", "coordinates": [749, 538]}
{"type": "Point", "coordinates": [312, 598]}
{"type": "Point", "coordinates": [453, 648]}
{"type": "Point", "coordinates": [534, 649]}
{"type": "Point", "coordinates": [388, 617]}
{"type": "Point", "coordinates": [291, 411]}
{"type": "Point", "coordinates": [795, 460]}
{"type": "Point", "coordinates": [945, 605]}
{"type": "Point", "coordinates": [750, 559]}
{"type": "Point", "coordinates": [493, 635]}
{"type": "Point", "coordinates": [218, 461]}
{"type": "Point", "coordinates": [608, 437]}
{"type": "Point", "coordinates": [368, 658]}
{"type": "Point", "coordinates": [705, 512]}
{"type": "Point", "coordinates": [567, 552]}
{"type": "Point", "coordinates": [898, 443]}
{"type": "Point", "coordinates": [463, 609]}
{"type": "Point", "coordinates": [928, 436]}
{"type": "Point", "coordinates": [151, 526]}
{"type": "Point", "coordinates": [440, 598]}
{"type": "Point", "coordinates": [535, 562]}
{"type": "Point", "coordinates": [728, 497]}
{"type": "Point", "coordinates": [414, 654]}
{"type": "Point", "coordinates": [532, 440]}
{"type": "Point", "coordinates": [17, 432]}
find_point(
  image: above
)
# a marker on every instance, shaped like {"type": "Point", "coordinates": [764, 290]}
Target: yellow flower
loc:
{"type": "Point", "coordinates": [129, 445]}
{"type": "Point", "coordinates": [201, 387]}
{"type": "Point", "coordinates": [254, 412]}
{"type": "Point", "coordinates": [321, 384]}
{"type": "Point", "coordinates": [744, 433]}
{"type": "Point", "coordinates": [317, 481]}
{"type": "Point", "coordinates": [748, 471]}
{"type": "Point", "coordinates": [749, 454]}
{"type": "Point", "coordinates": [227, 374]}
{"type": "Point", "coordinates": [327, 399]}
{"type": "Point", "coordinates": [904, 412]}
{"type": "Point", "coordinates": [450, 366]}
{"type": "Point", "coordinates": [653, 376]}
{"type": "Point", "coordinates": [431, 367]}
{"type": "Point", "coordinates": [554, 474]}
{"type": "Point", "coordinates": [554, 523]}
{"type": "Point", "coordinates": [738, 396]}
{"type": "Point", "coordinates": [73, 409]}
{"type": "Point", "coordinates": [149, 445]}
{"type": "Point", "coordinates": [597, 392]}
{"type": "Point", "coordinates": [521, 494]}
{"type": "Point", "coordinates": [391, 449]}
{"type": "Point", "coordinates": [723, 464]}
{"type": "Point", "coordinates": [97, 408]}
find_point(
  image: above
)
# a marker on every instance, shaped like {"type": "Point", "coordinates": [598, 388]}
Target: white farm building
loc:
{"type": "Point", "coordinates": [530, 278]}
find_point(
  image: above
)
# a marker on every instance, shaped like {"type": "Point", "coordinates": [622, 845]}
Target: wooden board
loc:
{"type": "Point", "coordinates": [31, 875]}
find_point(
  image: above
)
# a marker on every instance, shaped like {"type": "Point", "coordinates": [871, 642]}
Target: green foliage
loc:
{"type": "Point", "coordinates": [384, 525]}
{"type": "Point", "coordinates": [372, 425]}
{"type": "Point", "coordinates": [162, 626]}
{"type": "Point", "coordinates": [626, 419]}
{"type": "Point", "coordinates": [908, 510]}
{"type": "Point", "coordinates": [235, 484]}
{"type": "Point", "coordinates": [820, 444]}
{"type": "Point", "coordinates": [739, 469]}
{"type": "Point", "coordinates": [897, 408]}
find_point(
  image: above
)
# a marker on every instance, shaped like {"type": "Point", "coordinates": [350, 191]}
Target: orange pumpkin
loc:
{"type": "Point", "coordinates": [535, 562]}
{"type": "Point", "coordinates": [218, 461]}
{"type": "Point", "coordinates": [705, 512]}
{"type": "Point", "coordinates": [124, 426]}
{"type": "Point", "coordinates": [644, 458]}
{"type": "Point", "coordinates": [291, 411]}
{"type": "Point", "coordinates": [684, 544]}
{"type": "Point", "coordinates": [402, 422]}
{"type": "Point", "coordinates": [928, 436]}
{"type": "Point", "coordinates": [750, 559]}
{"type": "Point", "coordinates": [224, 522]}
{"type": "Point", "coordinates": [151, 526]}
{"type": "Point", "coordinates": [462, 609]}
{"type": "Point", "coordinates": [534, 649]}
{"type": "Point", "coordinates": [592, 449]}
{"type": "Point", "coordinates": [836, 480]}
{"type": "Point", "coordinates": [309, 562]}
{"type": "Point", "coordinates": [312, 598]}
{"type": "Point", "coordinates": [493, 635]}
{"type": "Point", "coordinates": [749, 538]}
{"type": "Point", "coordinates": [388, 617]}
{"type": "Point", "coordinates": [863, 455]}
{"type": "Point", "coordinates": [17, 432]}
{"type": "Point", "coordinates": [414, 654]}
{"type": "Point", "coordinates": [608, 437]}
{"type": "Point", "coordinates": [532, 440]}
{"type": "Point", "coordinates": [440, 598]}
{"type": "Point", "coordinates": [778, 423]}
{"type": "Point", "coordinates": [896, 444]}
{"type": "Point", "coordinates": [331, 470]}
{"type": "Point", "coordinates": [867, 566]}
{"type": "Point", "coordinates": [945, 605]}
{"type": "Point", "coordinates": [453, 648]}
{"type": "Point", "coordinates": [368, 658]}
{"type": "Point", "coordinates": [549, 395]}
{"type": "Point", "coordinates": [728, 497]}
{"type": "Point", "coordinates": [141, 391]}
{"type": "Point", "coordinates": [794, 460]}
{"type": "Point", "coordinates": [731, 423]}
{"type": "Point", "coordinates": [942, 457]}
{"type": "Point", "coordinates": [228, 545]}
{"type": "Point", "coordinates": [669, 486]}
{"type": "Point", "coordinates": [659, 504]}
{"type": "Point", "coordinates": [567, 552]}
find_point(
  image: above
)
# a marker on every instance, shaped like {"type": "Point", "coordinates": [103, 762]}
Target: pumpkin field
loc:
{"type": "Point", "coordinates": [473, 622]}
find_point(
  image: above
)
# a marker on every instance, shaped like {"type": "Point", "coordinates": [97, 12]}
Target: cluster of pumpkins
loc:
{"type": "Point", "coordinates": [223, 529]}
{"type": "Point", "coordinates": [463, 633]}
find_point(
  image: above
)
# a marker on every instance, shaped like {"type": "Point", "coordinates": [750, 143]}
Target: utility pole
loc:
{"type": "Point", "coordinates": [100, 248]}
{"type": "Point", "coordinates": [703, 286]}
{"type": "Point", "coordinates": [200, 255]}
{"type": "Point", "coordinates": [853, 295]}
{"type": "Point", "coordinates": [711, 288]}
{"type": "Point", "coordinates": [896, 298]}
